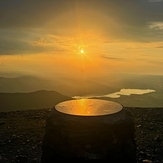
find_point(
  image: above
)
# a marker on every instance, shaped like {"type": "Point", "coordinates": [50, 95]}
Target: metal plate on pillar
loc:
{"type": "Point", "coordinates": [88, 107]}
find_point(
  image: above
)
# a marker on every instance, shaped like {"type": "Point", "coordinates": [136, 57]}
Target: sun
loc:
{"type": "Point", "coordinates": [82, 51]}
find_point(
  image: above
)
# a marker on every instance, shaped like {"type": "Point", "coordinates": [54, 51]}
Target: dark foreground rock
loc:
{"type": "Point", "coordinates": [22, 133]}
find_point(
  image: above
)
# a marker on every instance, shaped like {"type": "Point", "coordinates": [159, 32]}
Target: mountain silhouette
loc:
{"type": "Point", "coordinates": [33, 100]}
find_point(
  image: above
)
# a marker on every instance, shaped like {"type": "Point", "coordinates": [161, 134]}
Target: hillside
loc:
{"type": "Point", "coordinates": [24, 83]}
{"type": "Point", "coordinates": [72, 87]}
{"type": "Point", "coordinates": [144, 100]}
{"type": "Point", "coordinates": [66, 86]}
{"type": "Point", "coordinates": [33, 100]}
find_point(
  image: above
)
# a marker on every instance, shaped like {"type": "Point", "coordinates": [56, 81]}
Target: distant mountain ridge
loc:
{"type": "Point", "coordinates": [28, 92]}
{"type": "Point", "coordinates": [24, 84]}
{"type": "Point", "coordinates": [66, 86]}
{"type": "Point", "coordinates": [33, 100]}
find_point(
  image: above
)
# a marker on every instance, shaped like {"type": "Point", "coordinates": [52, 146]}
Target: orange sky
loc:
{"type": "Point", "coordinates": [45, 38]}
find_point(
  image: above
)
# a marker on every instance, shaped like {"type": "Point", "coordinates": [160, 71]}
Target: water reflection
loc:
{"type": "Point", "coordinates": [126, 92]}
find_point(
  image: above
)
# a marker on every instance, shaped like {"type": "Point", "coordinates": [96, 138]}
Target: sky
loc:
{"type": "Point", "coordinates": [81, 38]}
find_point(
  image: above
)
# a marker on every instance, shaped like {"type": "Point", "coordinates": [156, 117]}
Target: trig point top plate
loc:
{"type": "Point", "coordinates": [88, 107]}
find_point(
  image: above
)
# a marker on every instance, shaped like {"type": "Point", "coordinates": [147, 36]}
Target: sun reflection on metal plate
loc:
{"type": "Point", "coordinates": [88, 107]}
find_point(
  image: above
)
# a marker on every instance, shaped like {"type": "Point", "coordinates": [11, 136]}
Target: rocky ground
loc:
{"type": "Point", "coordinates": [22, 132]}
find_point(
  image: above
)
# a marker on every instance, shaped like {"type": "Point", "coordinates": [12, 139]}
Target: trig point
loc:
{"type": "Point", "coordinates": [89, 129]}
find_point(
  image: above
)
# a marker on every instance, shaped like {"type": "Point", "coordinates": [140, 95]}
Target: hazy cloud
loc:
{"type": "Point", "coordinates": [156, 25]}
{"type": "Point", "coordinates": [111, 58]}
{"type": "Point", "coordinates": [30, 13]}
{"type": "Point", "coordinates": [40, 42]}
{"type": "Point", "coordinates": [160, 46]}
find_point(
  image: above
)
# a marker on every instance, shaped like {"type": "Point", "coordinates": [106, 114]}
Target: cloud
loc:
{"type": "Point", "coordinates": [14, 42]}
{"type": "Point", "coordinates": [40, 42]}
{"type": "Point", "coordinates": [156, 25]}
{"type": "Point", "coordinates": [30, 13]}
{"type": "Point", "coordinates": [159, 46]}
{"type": "Point", "coordinates": [111, 58]}
{"type": "Point", "coordinates": [8, 47]}
{"type": "Point", "coordinates": [2, 64]}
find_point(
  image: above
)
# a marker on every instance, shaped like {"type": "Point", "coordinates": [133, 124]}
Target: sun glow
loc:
{"type": "Point", "coordinates": [82, 51]}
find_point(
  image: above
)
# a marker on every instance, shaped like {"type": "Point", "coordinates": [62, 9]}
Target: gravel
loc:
{"type": "Point", "coordinates": [22, 132]}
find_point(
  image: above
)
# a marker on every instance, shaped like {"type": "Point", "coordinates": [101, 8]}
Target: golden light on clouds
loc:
{"type": "Point", "coordinates": [62, 36]}
{"type": "Point", "coordinates": [95, 56]}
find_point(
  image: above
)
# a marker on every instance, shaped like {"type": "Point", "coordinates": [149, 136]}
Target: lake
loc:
{"type": "Point", "coordinates": [126, 92]}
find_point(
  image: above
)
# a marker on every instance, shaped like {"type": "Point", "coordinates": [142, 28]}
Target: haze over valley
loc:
{"type": "Point", "coordinates": [28, 92]}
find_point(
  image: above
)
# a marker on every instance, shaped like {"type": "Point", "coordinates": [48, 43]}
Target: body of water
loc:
{"type": "Point", "coordinates": [126, 92]}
